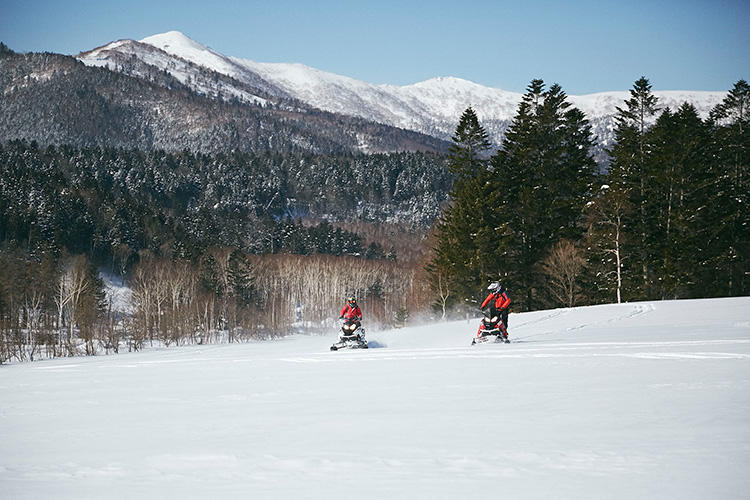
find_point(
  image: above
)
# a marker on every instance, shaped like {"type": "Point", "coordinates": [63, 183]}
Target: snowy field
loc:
{"type": "Point", "coordinates": [646, 400]}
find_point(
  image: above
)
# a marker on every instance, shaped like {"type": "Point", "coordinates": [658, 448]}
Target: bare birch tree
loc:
{"type": "Point", "coordinates": [563, 266]}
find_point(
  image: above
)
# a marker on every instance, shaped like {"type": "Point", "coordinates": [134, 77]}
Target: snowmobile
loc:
{"type": "Point", "coordinates": [352, 336]}
{"type": "Point", "coordinates": [491, 328]}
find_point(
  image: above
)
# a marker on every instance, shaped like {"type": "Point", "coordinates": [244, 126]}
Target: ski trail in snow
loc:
{"type": "Point", "coordinates": [518, 355]}
{"type": "Point", "coordinates": [554, 314]}
{"type": "Point", "coordinates": [553, 350]}
{"type": "Point", "coordinates": [635, 310]}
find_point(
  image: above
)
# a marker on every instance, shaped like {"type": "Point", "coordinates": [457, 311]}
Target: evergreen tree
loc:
{"type": "Point", "coordinates": [519, 186]}
{"type": "Point", "coordinates": [544, 176]}
{"type": "Point", "coordinates": [678, 162]}
{"type": "Point", "coordinates": [628, 174]}
{"type": "Point", "coordinates": [470, 144]}
{"type": "Point", "coordinates": [727, 228]}
{"type": "Point", "coordinates": [468, 236]}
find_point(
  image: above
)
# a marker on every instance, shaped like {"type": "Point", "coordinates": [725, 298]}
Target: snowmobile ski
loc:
{"type": "Point", "coordinates": [490, 339]}
{"type": "Point", "coordinates": [349, 344]}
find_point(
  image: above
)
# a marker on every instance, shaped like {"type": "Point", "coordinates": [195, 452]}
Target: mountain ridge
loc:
{"type": "Point", "coordinates": [431, 106]}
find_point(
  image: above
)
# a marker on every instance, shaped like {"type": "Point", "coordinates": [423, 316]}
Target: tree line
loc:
{"type": "Point", "coordinates": [667, 219]}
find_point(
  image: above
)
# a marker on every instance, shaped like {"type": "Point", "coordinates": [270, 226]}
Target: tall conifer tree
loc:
{"type": "Point", "coordinates": [544, 175]}
{"type": "Point", "coordinates": [467, 240]}
{"type": "Point", "coordinates": [729, 213]}
{"type": "Point", "coordinates": [628, 173]}
{"type": "Point", "coordinates": [470, 145]}
{"type": "Point", "coordinates": [678, 162]}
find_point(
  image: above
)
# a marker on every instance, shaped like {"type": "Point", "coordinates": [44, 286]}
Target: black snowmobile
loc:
{"type": "Point", "coordinates": [492, 328]}
{"type": "Point", "coordinates": [352, 336]}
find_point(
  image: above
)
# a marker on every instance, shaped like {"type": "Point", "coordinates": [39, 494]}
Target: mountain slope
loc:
{"type": "Point", "coordinates": [55, 99]}
{"type": "Point", "coordinates": [642, 400]}
{"type": "Point", "coordinates": [223, 79]}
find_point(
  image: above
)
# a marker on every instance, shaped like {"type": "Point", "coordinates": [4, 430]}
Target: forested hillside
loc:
{"type": "Point", "coordinates": [55, 99]}
{"type": "Point", "coordinates": [95, 200]}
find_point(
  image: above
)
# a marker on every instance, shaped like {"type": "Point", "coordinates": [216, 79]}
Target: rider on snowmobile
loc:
{"type": "Point", "coordinates": [351, 311]}
{"type": "Point", "coordinates": [352, 334]}
{"type": "Point", "coordinates": [350, 316]}
{"type": "Point", "coordinates": [498, 301]}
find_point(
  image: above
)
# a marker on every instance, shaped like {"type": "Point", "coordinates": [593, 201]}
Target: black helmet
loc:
{"type": "Point", "coordinates": [352, 300]}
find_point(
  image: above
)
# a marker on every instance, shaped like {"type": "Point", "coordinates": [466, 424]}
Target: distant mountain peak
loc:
{"type": "Point", "coordinates": [174, 39]}
{"type": "Point", "coordinates": [178, 44]}
{"type": "Point", "coordinates": [443, 81]}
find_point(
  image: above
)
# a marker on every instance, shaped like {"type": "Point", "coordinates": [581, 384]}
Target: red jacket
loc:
{"type": "Point", "coordinates": [502, 300]}
{"type": "Point", "coordinates": [350, 312]}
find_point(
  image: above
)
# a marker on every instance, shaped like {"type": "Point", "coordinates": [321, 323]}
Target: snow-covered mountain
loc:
{"type": "Point", "coordinates": [643, 400]}
{"type": "Point", "coordinates": [432, 107]}
{"type": "Point", "coordinates": [147, 99]}
{"type": "Point", "coordinates": [201, 76]}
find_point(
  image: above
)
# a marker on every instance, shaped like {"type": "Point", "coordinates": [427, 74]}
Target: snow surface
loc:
{"type": "Point", "coordinates": [174, 42]}
{"type": "Point", "coordinates": [642, 400]}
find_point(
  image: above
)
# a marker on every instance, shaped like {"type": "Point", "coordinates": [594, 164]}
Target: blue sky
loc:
{"type": "Point", "coordinates": [585, 46]}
